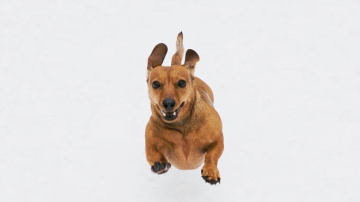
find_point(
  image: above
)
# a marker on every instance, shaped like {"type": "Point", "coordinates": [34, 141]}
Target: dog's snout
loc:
{"type": "Point", "coordinates": [169, 104]}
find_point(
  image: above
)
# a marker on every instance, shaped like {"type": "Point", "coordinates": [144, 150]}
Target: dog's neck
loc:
{"type": "Point", "coordinates": [194, 114]}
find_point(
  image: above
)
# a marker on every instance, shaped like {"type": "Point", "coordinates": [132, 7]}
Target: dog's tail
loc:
{"type": "Point", "coordinates": [176, 59]}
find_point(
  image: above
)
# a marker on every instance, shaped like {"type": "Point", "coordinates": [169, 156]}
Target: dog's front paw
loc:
{"type": "Point", "coordinates": [210, 174]}
{"type": "Point", "coordinates": [160, 168]}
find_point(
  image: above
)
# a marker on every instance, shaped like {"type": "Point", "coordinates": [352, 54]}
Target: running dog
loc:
{"type": "Point", "coordinates": [184, 129]}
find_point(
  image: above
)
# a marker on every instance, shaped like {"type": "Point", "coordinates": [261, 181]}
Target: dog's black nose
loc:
{"type": "Point", "coordinates": [169, 104]}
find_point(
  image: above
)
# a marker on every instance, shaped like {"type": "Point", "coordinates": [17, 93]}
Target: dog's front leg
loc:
{"type": "Point", "coordinates": [155, 150]}
{"type": "Point", "coordinates": [210, 172]}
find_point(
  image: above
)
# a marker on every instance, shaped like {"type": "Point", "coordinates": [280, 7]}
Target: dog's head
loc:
{"type": "Point", "coordinates": [171, 88]}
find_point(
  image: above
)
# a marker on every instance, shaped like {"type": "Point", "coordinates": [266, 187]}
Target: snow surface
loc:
{"type": "Point", "coordinates": [74, 103]}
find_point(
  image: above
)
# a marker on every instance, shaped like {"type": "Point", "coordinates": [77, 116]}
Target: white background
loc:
{"type": "Point", "coordinates": [74, 103]}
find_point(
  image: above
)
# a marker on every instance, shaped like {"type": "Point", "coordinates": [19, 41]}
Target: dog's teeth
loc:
{"type": "Point", "coordinates": [174, 113]}
{"type": "Point", "coordinates": [163, 113]}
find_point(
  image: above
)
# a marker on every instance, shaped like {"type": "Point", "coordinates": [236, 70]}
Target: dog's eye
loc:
{"type": "Point", "coordinates": [182, 83]}
{"type": "Point", "coordinates": [156, 84]}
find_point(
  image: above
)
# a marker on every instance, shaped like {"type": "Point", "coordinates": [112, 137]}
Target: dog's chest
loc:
{"type": "Point", "coordinates": [186, 151]}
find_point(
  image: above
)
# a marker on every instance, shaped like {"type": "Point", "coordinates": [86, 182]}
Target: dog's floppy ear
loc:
{"type": "Point", "coordinates": [157, 56]}
{"type": "Point", "coordinates": [191, 58]}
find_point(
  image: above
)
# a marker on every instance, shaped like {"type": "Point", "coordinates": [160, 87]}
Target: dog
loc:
{"type": "Point", "coordinates": [184, 129]}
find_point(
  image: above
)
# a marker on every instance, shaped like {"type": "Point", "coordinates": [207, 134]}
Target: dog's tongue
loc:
{"type": "Point", "coordinates": [169, 113]}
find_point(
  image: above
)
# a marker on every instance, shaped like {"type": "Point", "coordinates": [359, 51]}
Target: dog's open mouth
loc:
{"type": "Point", "coordinates": [169, 116]}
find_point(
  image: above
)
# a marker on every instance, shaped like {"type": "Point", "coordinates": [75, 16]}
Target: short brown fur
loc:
{"type": "Point", "coordinates": [195, 136]}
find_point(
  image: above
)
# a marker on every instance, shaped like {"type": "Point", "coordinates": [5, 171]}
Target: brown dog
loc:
{"type": "Point", "coordinates": [184, 129]}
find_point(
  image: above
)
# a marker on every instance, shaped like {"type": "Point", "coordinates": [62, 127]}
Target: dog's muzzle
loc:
{"type": "Point", "coordinates": [169, 116]}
